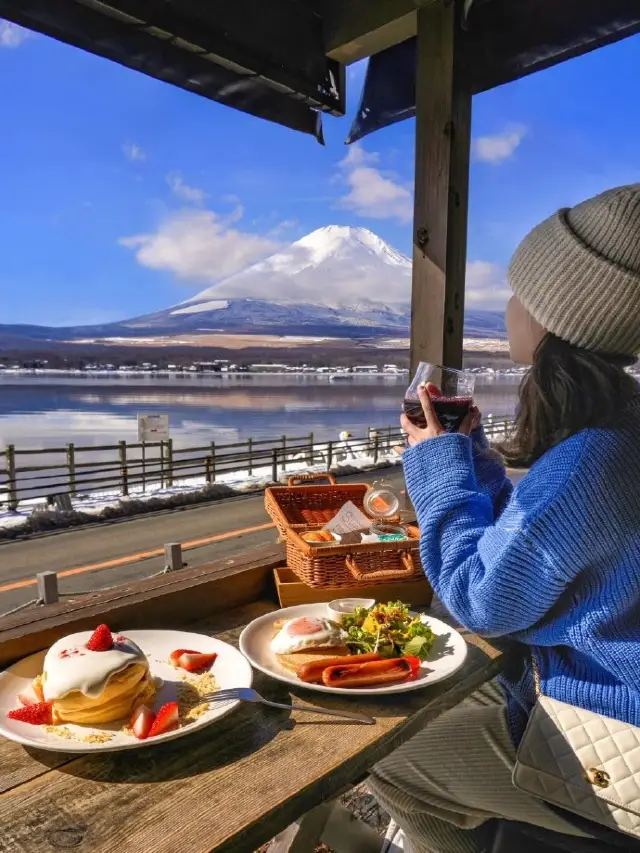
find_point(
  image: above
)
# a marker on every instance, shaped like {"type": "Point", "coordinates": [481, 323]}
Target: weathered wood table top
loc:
{"type": "Point", "coordinates": [227, 788]}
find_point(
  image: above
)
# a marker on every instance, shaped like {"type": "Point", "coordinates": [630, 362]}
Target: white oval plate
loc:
{"type": "Point", "coordinates": [230, 670]}
{"type": "Point", "coordinates": [447, 655]}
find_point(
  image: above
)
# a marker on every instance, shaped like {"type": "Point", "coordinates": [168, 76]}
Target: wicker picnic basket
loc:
{"type": "Point", "coordinates": [296, 509]}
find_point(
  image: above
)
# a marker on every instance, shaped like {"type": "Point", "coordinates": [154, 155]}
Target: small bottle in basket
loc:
{"type": "Point", "coordinates": [382, 500]}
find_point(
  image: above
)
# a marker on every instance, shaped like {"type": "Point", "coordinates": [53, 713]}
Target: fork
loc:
{"type": "Point", "coordinates": [247, 694]}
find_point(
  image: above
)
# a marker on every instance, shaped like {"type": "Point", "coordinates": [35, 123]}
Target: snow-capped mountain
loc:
{"type": "Point", "coordinates": [338, 281]}
{"type": "Point", "coordinates": [334, 267]}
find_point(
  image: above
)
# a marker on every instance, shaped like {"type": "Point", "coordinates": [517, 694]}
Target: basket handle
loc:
{"type": "Point", "coordinates": [389, 574]}
{"type": "Point", "coordinates": [310, 478]}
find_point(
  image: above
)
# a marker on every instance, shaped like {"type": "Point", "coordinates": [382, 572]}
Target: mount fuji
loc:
{"type": "Point", "coordinates": [338, 281]}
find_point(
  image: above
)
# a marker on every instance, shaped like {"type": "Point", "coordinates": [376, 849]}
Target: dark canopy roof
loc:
{"type": "Point", "coordinates": [283, 60]}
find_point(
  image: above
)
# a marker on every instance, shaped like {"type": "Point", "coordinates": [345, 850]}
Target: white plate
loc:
{"type": "Point", "coordinates": [447, 656]}
{"type": "Point", "coordinates": [230, 670]}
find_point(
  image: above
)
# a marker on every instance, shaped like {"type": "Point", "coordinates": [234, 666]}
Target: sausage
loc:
{"type": "Point", "coordinates": [312, 672]}
{"type": "Point", "coordinates": [371, 673]}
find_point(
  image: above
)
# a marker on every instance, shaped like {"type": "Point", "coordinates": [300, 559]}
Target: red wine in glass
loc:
{"type": "Point", "coordinates": [451, 411]}
{"type": "Point", "coordinates": [451, 393]}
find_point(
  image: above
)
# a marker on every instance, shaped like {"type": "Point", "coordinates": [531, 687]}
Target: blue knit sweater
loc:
{"type": "Point", "coordinates": [553, 563]}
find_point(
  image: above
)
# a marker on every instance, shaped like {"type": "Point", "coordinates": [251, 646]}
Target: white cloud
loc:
{"type": "Point", "coordinates": [134, 153]}
{"type": "Point", "coordinates": [194, 195]}
{"type": "Point", "coordinates": [11, 35]}
{"type": "Point", "coordinates": [199, 245]}
{"type": "Point", "coordinates": [486, 286]}
{"type": "Point", "coordinates": [498, 148]}
{"type": "Point", "coordinates": [373, 193]}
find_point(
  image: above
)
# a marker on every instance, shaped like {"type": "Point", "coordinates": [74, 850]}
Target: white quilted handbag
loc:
{"type": "Point", "coordinates": [583, 762]}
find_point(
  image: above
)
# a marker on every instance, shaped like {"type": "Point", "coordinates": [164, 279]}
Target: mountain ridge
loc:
{"type": "Point", "coordinates": [338, 281]}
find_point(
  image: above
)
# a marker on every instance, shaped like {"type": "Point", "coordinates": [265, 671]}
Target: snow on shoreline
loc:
{"type": "Point", "coordinates": [94, 503]}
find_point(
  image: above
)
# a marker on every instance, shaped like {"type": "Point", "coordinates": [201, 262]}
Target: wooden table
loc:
{"type": "Point", "coordinates": [228, 788]}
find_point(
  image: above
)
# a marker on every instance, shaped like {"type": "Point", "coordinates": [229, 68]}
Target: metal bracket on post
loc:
{"type": "Point", "coordinates": [48, 587]}
{"type": "Point", "coordinates": [173, 556]}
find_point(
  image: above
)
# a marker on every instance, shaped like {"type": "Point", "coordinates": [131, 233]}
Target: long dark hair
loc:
{"type": "Point", "coordinates": [566, 390]}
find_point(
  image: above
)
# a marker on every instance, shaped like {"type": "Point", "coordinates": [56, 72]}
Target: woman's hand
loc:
{"type": "Point", "coordinates": [434, 428]}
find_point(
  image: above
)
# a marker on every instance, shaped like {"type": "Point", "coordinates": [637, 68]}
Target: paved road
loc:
{"type": "Point", "coordinates": [106, 554]}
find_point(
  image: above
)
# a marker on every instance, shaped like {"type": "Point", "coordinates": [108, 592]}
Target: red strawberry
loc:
{"type": "Point", "coordinates": [29, 696]}
{"type": "Point", "coordinates": [101, 640]}
{"type": "Point", "coordinates": [37, 715]}
{"type": "Point", "coordinates": [166, 719]}
{"type": "Point", "coordinates": [196, 661]}
{"type": "Point", "coordinates": [175, 656]}
{"type": "Point", "coordinates": [141, 722]}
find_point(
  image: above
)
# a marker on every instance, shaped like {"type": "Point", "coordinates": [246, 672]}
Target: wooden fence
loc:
{"type": "Point", "coordinates": [74, 469]}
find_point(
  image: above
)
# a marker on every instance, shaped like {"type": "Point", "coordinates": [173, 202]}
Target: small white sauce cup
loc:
{"type": "Point", "coordinates": [340, 607]}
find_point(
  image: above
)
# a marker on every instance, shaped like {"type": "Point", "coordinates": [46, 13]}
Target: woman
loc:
{"type": "Point", "coordinates": [553, 563]}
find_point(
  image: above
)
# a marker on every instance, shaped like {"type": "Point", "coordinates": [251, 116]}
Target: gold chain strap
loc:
{"type": "Point", "coordinates": [536, 676]}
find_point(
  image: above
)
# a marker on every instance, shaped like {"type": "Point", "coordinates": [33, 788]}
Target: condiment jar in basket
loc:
{"type": "Point", "coordinates": [381, 500]}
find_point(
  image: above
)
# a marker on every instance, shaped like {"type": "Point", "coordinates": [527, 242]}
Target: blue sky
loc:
{"type": "Point", "coordinates": [122, 195]}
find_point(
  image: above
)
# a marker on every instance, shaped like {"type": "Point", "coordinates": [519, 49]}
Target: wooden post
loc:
{"type": "Point", "coordinates": [208, 470]}
{"type": "Point", "coordinates": [274, 465]}
{"type": "Point", "coordinates": [169, 462]}
{"type": "Point", "coordinates": [144, 467]}
{"type": "Point", "coordinates": [12, 486]}
{"type": "Point", "coordinates": [71, 467]}
{"type": "Point", "coordinates": [213, 461]}
{"type": "Point", "coordinates": [284, 453]}
{"type": "Point", "coordinates": [443, 142]}
{"type": "Point", "coordinates": [173, 556]}
{"type": "Point", "coordinates": [124, 474]}
{"type": "Point", "coordinates": [250, 451]}
{"type": "Point", "coordinates": [376, 447]}
{"type": "Point", "coordinates": [329, 455]}
{"type": "Point", "coordinates": [48, 587]}
{"type": "Point", "coordinates": [310, 456]}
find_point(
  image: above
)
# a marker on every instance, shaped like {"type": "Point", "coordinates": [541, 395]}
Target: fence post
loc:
{"type": "Point", "coordinates": [124, 474]}
{"type": "Point", "coordinates": [213, 461]}
{"type": "Point", "coordinates": [376, 447]}
{"type": "Point", "coordinates": [11, 476]}
{"type": "Point", "coordinates": [48, 587]}
{"type": "Point", "coordinates": [274, 465]}
{"type": "Point", "coordinates": [250, 451]}
{"type": "Point", "coordinates": [329, 455]}
{"type": "Point", "coordinates": [173, 556]}
{"type": "Point", "coordinates": [169, 462]}
{"type": "Point", "coordinates": [144, 467]}
{"type": "Point", "coordinates": [284, 453]}
{"type": "Point", "coordinates": [71, 466]}
{"type": "Point", "coordinates": [310, 456]}
{"type": "Point", "coordinates": [208, 470]}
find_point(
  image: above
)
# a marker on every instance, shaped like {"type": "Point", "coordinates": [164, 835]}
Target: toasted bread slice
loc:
{"type": "Point", "coordinates": [297, 660]}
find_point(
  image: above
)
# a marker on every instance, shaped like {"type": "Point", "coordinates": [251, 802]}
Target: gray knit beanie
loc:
{"type": "Point", "coordinates": [578, 273]}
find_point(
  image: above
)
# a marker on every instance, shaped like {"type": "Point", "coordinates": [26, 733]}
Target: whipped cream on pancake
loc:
{"type": "Point", "coordinates": [69, 665]}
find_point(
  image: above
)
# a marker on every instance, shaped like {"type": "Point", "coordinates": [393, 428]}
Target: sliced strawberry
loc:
{"type": "Point", "coordinates": [141, 722]}
{"type": "Point", "coordinates": [29, 696]}
{"type": "Point", "coordinates": [38, 714]}
{"type": "Point", "coordinates": [166, 719]}
{"type": "Point", "coordinates": [174, 657]}
{"type": "Point", "coordinates": [196, 661]}
{"type": "Point", "coordinates": [101, 640]}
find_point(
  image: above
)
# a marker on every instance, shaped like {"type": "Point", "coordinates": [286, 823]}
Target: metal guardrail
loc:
{"type": "Point", "coordinates": [73, 469]}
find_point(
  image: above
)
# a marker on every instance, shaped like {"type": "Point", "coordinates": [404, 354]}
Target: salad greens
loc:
{"type": "Point", "coordinates": [389, 630]}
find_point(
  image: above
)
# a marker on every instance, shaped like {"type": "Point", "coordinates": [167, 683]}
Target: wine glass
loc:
{"type": "Point", "coordinates": [451, 393]}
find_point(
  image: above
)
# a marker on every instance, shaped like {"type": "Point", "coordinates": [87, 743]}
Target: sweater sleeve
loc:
{"type": "Point", "coordinates": [489, 574]}
{"type": "Point", "coordinates": [490, 472]}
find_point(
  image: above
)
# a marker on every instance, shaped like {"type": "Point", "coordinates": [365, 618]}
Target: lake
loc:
{"type": "Point", "coordinates": [39, 411]}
